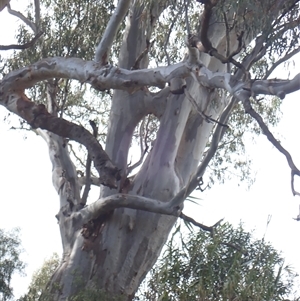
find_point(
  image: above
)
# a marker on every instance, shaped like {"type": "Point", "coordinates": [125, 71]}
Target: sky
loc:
{"type": "Point", "coordinates": [29, 201]}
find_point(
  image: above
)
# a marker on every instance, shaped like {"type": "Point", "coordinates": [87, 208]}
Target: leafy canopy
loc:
{"type": "Point", "coordinates": [228, 265]}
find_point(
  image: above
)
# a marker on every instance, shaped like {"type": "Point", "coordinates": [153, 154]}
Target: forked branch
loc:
{"type": "Point", "coordinates": [38, 117]}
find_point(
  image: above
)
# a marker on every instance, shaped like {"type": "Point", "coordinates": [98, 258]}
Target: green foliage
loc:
{"type": "Point", "coordinates": [228, 265]}
{"type": "Point", "coordinates": [69, 30]}
{"type": "Point", "coordinates": [9, 261]}
{"type": "Point", "coordinates": [40, 279]}
{"type": "Point", "coordinates": [96, 295]}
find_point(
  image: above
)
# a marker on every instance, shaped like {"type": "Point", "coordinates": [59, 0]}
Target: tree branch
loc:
{"type": "Point", "coordinates": [38, 117]}
{"type": "Point", "coordinates": [100, 77]}
{"type": "Point", "coordinates": [273, 140]}
{"type": "Point", "coordinates": [3, 4]}
{"type": "Point", "coordinates": [110, 77]}
{"type": "Point", "coordinates": [103, 206]}
{"type": "Point", "coordinates": [93, 180]}
{"type": "Point", "coordinates": [208, 47]}
{"type": "Point", "coordinates": [107, 204]}
{"type": "Point", "coordinates": [102, 50]}
{"type": "Point", "coordinates": [22, 47]}
{"type": "Point", "coordinates": [201, 226]}
{"type": "Point", "coordinates": [275, 86]}
{"type": "Point", "coordinates": [88, 168]}
{"type": "Point", "coordinates": [22, 17]}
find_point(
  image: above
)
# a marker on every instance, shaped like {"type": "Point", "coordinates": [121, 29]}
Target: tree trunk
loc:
{"type": "Point", "coordinates": [114, 252]}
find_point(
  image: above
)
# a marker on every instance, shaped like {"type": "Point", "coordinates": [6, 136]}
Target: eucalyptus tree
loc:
{"type": "Point", "coordinates": [175, 76]}
{"type": "Point", "coordinates": [10, 261]}
{"type": "Point", "coordinates": [228, 265]}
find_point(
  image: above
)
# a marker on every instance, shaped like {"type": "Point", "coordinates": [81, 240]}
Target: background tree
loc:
{"type": "Point", "coordinates": [188, 105]}
{"type": "Point", "coordinates": [40, 279]}
{"type": "Point", "coordinates": [10, 261]}
{"type": "Point", "coordinates": [228, 264]}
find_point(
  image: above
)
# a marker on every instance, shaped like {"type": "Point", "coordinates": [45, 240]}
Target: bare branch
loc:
{"type": "Point", "coordinates": [201, 226]}
{"type": "Point", "coordinates": [275, 86]}
{"type": "Point", "coordinates": [103, 206]}
{"type": "Point", "coordinates": [110, 77]}
{"type": "Point", "coordinates": [107, 204]}
{"type": "Point", "coordinates": [273, 140]}
{"type": "Point", "coordinates": [38, 117]}
{"type": "Point", "coordinates": [23, 46]}
{"type": "Point", "coordinates": [169, 34]}
{"type": "Point", "coordinates": [187, 23]}
{"type": "Point", "coordinates": [102, 50]}
{"type": "Point", "coordinates": [80, 161]}
{"type": "Point", "coordinates": [100, 77]}
{"type": "Point", "coordinates": [22, 17]}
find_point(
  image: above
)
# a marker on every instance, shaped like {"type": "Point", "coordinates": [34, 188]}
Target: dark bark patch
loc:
{"type": "Point", "coordinates": [91, 230]}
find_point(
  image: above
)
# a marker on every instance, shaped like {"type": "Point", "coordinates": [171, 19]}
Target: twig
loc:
{"type": "Point", "coordinates": [201, 226]}
{"type": "Point", "coordinates": [203, 115]}
{"type": "Point", "coordinates": [21, 47]}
